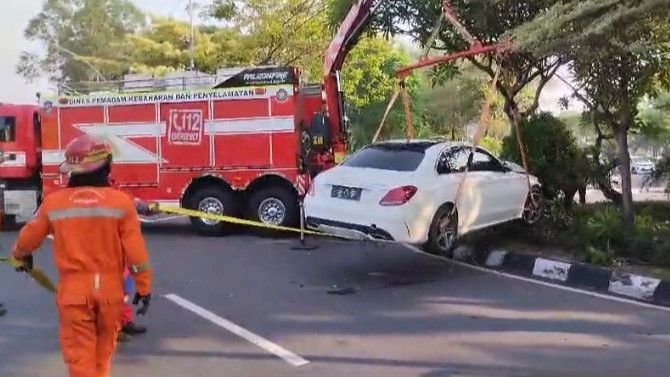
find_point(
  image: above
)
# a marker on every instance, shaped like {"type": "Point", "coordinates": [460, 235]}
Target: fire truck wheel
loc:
{"type": "Point", "coordinates": [215, 200]}
{"type": "Point", "coordinates": [273, 206]}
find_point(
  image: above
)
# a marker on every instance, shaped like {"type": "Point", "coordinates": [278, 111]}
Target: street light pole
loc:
{"type": "Point", "coordinates": [192, 38]}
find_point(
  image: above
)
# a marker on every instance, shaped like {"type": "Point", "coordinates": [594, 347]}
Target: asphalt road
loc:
{"type": "Point", "coordinates": [408, 315]}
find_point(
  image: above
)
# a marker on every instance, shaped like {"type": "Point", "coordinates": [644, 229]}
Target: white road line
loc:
{"type": "Point", "coordinates": [265, 344]}
{"type": "Point", "coordinates": [540, 282]}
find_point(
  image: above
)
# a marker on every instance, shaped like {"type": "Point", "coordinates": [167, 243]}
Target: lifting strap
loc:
{"type": "Point", "coordinates": [409, 125]}
{"type": "Point", "coordinates": [484, 122]}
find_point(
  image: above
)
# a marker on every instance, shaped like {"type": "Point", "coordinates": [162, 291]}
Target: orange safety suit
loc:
{"type": "Point", "coordinates": [96, 234]}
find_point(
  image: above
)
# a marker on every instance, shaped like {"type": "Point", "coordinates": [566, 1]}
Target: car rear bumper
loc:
{"type": "Point", "coordinates": [349, 230]}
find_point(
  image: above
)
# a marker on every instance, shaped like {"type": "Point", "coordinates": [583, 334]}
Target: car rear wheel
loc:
{"type": "Point", "coordinates": [533, 207]}
{"type": "Point", "coordinates": [214, 200]}
{"type": "Point", "coordinates": [276, 206]}
{"type": "Point", "coordinates": [443, 233]}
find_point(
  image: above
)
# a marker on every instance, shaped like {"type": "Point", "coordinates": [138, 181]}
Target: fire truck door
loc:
{"type": "Point", "coordinates": [184, 144]}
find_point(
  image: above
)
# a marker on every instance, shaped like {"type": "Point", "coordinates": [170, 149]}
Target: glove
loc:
{"type": "Point", "coordinates": [144, 209]}
{"type": "Point", "coordinates": [145, 303]}
{"type": "Point", "coordinates": [26, 264]}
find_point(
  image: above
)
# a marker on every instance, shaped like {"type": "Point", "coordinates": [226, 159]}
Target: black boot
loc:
{"type": "Point", "coordinates": [133, 329]}
{"type": "Point", "coordinates": [3, 311]}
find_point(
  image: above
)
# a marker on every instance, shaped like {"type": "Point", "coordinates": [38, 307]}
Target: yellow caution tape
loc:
{"type": "Point", "coordinates": [233, 220]}
{"type": "Point", "coordinates": [37, 274]}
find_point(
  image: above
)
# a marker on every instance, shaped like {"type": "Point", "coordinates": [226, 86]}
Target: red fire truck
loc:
{"type": "Point", "coordinates": [241, 148]}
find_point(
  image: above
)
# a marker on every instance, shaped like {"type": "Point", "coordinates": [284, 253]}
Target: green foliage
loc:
{"type": "Point", "coordinates": [283, 32]}
{"type": "Point", "coordinates": [618, 52]}
{"type": "Point", "coordinates": [492, 145]}
{"type": "Point", "coordinates": [603, 228]}
{"type": "Point", "coordinates": [369, 82]}
{"type": "Point", "coordinates": [79, 38]}
{"type": "Point", "coordinates": [552, 153]}
{"type": "Point", "coordinates": [490, 22]}
{"type": "Point", "coordinates": [104, 39]}
{"type": "Point", "coordinates": [452, 104]}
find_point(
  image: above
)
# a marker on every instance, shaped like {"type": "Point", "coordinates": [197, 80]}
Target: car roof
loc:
{"type": "Point", "coordinates": [416, 144]}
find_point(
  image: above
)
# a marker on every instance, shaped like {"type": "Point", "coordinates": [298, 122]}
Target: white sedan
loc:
{"type": "Point", "coordinates": [405, 190]}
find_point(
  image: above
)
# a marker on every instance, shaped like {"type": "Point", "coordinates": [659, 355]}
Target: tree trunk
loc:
{"type": "Point", "coordinates": [604, 184]}
{"type": "Point", "coordinates": [626, 185]}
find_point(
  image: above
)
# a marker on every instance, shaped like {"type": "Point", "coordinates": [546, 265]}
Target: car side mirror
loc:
{"type": "Point", "coordinates": [505, 167]}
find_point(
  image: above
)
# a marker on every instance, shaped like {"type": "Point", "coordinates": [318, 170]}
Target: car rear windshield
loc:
{"type": "Point", "coordinates": [387, 157]}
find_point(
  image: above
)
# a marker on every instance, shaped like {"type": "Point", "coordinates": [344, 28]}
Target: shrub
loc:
{"type": "Point", "coordinates": [603, 228]}
{"type": "Point", "coordinates": [553, 155]}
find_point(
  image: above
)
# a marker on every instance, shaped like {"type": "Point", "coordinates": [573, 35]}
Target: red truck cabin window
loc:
{"type": "Point", "coordinates": [7, 129]}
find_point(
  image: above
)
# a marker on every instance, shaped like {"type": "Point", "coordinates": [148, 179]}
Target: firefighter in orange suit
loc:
{"type": "Point", "coordinates": [96, 234]}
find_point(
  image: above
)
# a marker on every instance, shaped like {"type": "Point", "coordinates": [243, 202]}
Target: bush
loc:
{"type": "Point", "coordinates": [553, 155]}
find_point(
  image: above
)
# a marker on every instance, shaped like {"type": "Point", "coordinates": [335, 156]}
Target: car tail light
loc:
{"type": "Point", "coordinates": [398, 196]}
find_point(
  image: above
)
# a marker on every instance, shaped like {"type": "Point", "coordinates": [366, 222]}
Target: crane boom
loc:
{"type": "Point", "coordinates": [354, 24]}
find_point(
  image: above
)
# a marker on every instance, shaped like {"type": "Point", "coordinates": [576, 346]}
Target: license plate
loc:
{"type": "Point", "coordinates": [347, 193]}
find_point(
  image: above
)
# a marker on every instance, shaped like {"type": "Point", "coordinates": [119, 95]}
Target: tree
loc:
{"type": "Point", "coordinates": [163, 46]}
{"type": "Point", "coordinates": [369, 80]}
{"type": "Point", "coordinates": [452, 104]}
{"type": "Point", "coordinates": [283, 32]}
{"type": "Point", "coordinates": [490, 22]}
{"type": "Point", "coordinates": [78, 38]}
{"type": "Point", "coordinates": [618, 54]}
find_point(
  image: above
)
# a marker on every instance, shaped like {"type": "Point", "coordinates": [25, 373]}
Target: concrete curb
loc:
{"type": "Point", "coordinates": [577, 275]}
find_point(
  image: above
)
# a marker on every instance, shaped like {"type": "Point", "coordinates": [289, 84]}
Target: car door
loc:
{"type": "Point", "coordinates": [502, 189]}
{"type": "Point", "coordinates": [450, 167]}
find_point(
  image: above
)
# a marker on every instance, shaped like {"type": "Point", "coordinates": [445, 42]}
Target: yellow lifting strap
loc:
{"type": "Point", "coordinates": [409, 124]}
{"type": "Point", "coordinates": [386, 113]}
{"type": "Point", "coordinates": [36, 274]}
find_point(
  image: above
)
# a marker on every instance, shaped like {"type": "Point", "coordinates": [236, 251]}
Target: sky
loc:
{"type": "Point", "coordinates": [16, 13]}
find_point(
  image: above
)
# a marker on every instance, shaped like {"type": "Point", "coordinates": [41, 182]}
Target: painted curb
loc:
{"type": "Point", "coordinates": [577, 275]}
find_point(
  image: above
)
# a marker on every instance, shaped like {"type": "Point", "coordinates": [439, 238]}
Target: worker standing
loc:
{"type": "Point", "coordinates": [96, 234]}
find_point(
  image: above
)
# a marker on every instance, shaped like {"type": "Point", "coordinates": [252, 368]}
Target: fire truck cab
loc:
{"type": "Point", "coordinates": [20, 161]}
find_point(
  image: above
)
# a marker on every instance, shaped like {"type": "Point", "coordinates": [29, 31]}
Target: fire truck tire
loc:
{"type": "Point", "coordinates": [212, 199]}
{"type": "Point", "coordinates": [274, 206]}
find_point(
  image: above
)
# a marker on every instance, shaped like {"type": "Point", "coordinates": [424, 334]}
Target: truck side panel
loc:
{"type": "Point", "coordinates": [135, 131]}
{"type": "Point", "coordinates": [185, 145]}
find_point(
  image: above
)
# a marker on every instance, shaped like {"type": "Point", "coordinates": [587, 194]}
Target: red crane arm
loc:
{"type": "Point", "coordinates": [354, 24]}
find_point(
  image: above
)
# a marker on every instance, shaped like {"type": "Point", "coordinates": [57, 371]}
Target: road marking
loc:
{"type": "Point", "coordinates": [265, 344]}
{"type": "Point", "coordinates": [539, 282]}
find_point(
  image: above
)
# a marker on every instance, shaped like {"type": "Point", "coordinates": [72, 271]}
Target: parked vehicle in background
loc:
{"type": "Point", "coordinates": [640, 165]}
{"type": "Point", "coordinates": [405, 191]}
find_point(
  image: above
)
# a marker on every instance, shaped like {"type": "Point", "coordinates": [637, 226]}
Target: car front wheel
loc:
{"type": "Point", "coordinates": [533, 207]}
{"type": "Point", "coordinates": [443, 233]}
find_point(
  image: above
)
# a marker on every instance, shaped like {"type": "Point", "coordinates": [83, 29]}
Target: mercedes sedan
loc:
{"type": "Point", "coordinates": [405, 191]}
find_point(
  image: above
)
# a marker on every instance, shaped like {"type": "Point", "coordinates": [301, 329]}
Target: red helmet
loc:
{"type": "Point", "coordinates": [85, 154]}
